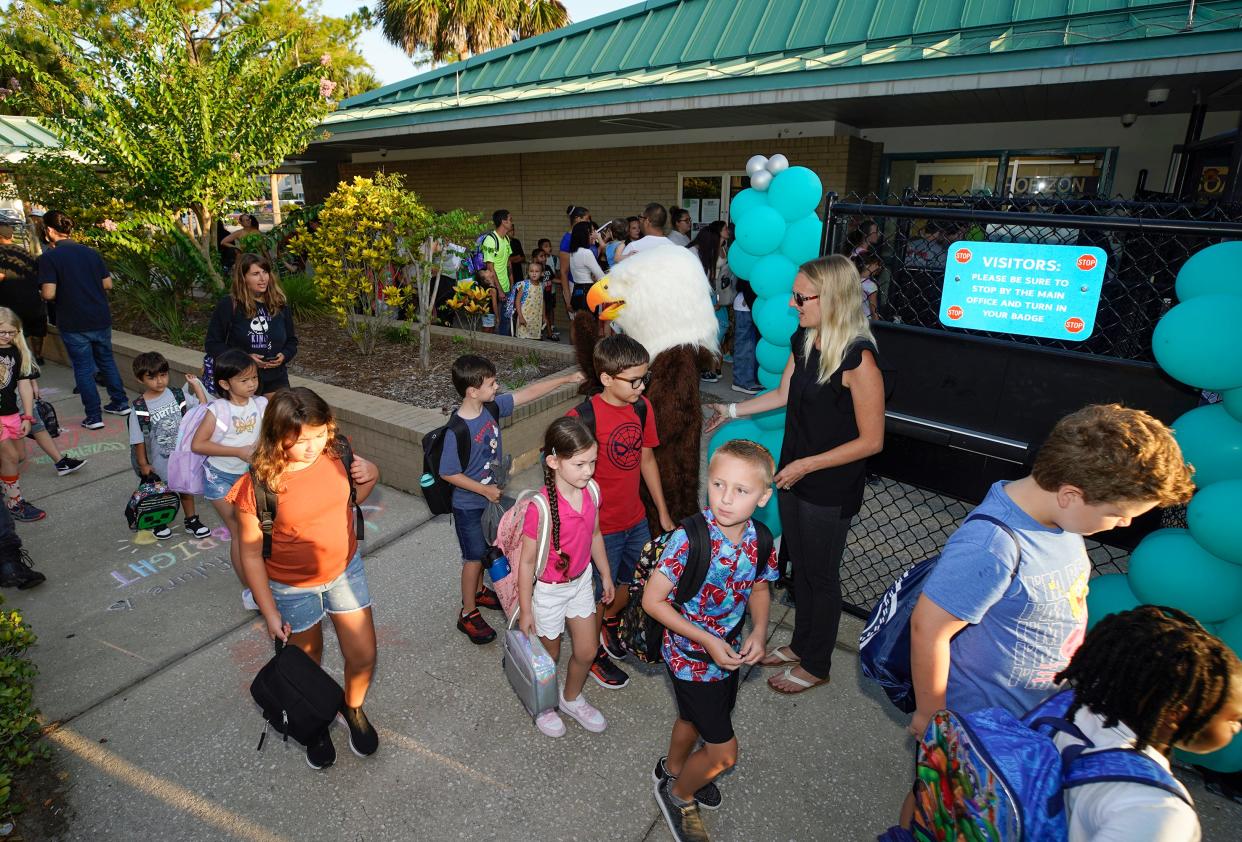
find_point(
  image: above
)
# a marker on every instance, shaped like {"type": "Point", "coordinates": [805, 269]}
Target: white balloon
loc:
{"type": "Point", "coordinates": [756, 164]}
{"type": "Point", "coordinates": [777, 164]}
{"type": "Point", "coordinates": [760, 180]}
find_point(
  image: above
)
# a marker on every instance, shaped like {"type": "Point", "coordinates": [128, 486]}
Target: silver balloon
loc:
{"type": "Point", "coordinates": [756, 164]}
{"type": "Point", "coordinates": [777, 164]}
{"type": "Point", "coordinates": [760, 180]}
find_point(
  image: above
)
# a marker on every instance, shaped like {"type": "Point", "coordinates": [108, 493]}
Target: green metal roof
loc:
{"type": "Point", "coordinates": [668, 48]}
{"type": "Point", "coordinates": [20, 135]}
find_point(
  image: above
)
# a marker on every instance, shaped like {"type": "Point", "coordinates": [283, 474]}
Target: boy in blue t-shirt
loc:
{"type": "Point", "coordinates": [697, 646]}
{"type": "Point", "coordinates": [474, 483]}
{"type": "Point", "coordinates": [998, 619]}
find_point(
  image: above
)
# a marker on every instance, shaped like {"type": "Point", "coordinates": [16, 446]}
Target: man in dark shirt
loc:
{"type": "Point", "coordinates": [19, 290]}
{"type": "Point", "coordinates": [75, 277]}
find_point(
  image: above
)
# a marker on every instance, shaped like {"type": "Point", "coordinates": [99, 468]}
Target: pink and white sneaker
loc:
{"type": "Point", "coordinates": [549, 723]}
{"type": "Point", "coordinates": [584, 713]}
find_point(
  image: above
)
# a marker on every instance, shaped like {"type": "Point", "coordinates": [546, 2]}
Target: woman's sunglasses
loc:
{"type": "Point", "coordinates": [801, 299]}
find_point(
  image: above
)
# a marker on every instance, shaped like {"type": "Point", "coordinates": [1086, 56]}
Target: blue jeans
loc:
{"type": "Point", "coordinates": [624, 549]}
{"type": "Point", "coordinates": [504, 323]}
{"type": "Point", "coordinates": [745, 337]}
{"type": "Point", "coordinates": [88, 351]}
{"type": "Point", "coordinates": [722, 324]}
{"type": "Point", "coordinates": [9, 542]}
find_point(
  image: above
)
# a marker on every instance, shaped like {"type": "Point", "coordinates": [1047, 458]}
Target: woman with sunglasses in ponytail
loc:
{"type": "Point", "coordinates": [833, 392]}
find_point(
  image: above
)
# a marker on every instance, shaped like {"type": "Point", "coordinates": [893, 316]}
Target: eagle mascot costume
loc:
{"type": "Point", "coordinates": [660, 297]}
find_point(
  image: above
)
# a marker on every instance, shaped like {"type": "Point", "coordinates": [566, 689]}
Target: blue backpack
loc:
{"type": "Point", "coordinates": [884, 645]}
{"type": "Point", "coordinates": [474, 262]}
{"type": "Point", "coordinates": [990, 777]}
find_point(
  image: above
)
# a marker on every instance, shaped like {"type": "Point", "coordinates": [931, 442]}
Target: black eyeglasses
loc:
{"type": "Point", "coordinates": [637, 382]}
{"type": "Point", "coordinates": [803, 299]}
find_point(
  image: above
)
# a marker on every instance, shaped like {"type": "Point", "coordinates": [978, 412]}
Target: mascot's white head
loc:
{"type": "Point", "coordinates": [661, 297]}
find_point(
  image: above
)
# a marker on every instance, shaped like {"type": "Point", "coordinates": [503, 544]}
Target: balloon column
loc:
{"type": "Point", "coordinates": [1198, 570]}
{"type": "Point", "coordinates": [777, 231]}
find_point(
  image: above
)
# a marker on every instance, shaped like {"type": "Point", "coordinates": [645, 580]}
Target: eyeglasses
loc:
{"type": "Point", "coordinates": [803, 299]}
{"type": "Point", "coordinates": [637, 382]}
{"type": "Point", "coordinates": [14, 333]}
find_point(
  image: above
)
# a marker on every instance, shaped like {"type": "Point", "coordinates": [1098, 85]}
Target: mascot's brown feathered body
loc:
{"type": "Point", "coordinates": [661, 298]}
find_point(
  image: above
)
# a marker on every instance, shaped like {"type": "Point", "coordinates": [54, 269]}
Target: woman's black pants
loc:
{"type": "Point", "coordinates": [816, 538]}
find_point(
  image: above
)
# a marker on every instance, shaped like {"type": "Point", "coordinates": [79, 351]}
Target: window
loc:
{"type": "Point", "coordinates": [1070, 173]}
{"type": "Point", "coordinates": [707, 196]}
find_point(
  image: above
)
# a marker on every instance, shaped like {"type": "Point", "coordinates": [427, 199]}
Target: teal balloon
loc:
{"type": "Point", "coordinates": [803, 239]}
{"type": "Point", "coordinates": [1169, 568]}
{"type": "Point", "coordinates": [741, 204]}
{"type": "Point", "coordinates": [1211, 441]}
{"type": "Point", "coordinates": [1232, 401]}
{"type": "Point", "coordinates": [774, 420]}
{"type": "Point", "coordinates": [1227, 759]}
{"type": "Point", "coordinates": [795, 192]}
{"type": "Point", "coordinates": [742, 262]}
{"type": "Point", "coordinates": [770, 515]}
{"type": "Point", "coordinates": [1109, 594]}
{"type": "Point", "coordinates": [773, 276]}
{"type": "Point", "coordinates": [761, 231]}
{"type": "Point", "coordinates": [774, 317]}
{"type": "Point", "coordinates": [772, 355]}
{"type": "Point", "coordinates": [1199, 342]}
{"type": "Point", "coordinates": [1210, 271]}
{"type": "Point", "coordinates": [1213, 519]}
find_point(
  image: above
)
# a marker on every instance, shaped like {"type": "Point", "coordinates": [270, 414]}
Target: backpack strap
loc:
{"type": "Point", "coordinates": [698, 558]}
{"type": "Point", "coordinates": [265, 510]}
{"type": "Point", "coordinates": [139, 407]}
{"type": "Point", "coordinates": [1122, 765]}
{"type": "Point", "coordinates": [640, 409]}
{"type": "Point", "coordinates": [346, 450]}
{"type": "Point", "coordinates": [543, 519]}
{"type": "Point", "coordinates": [461, 435]}
{"type": "Point", "coordinates": [586, 412]}
{"type": "Point", "coordinates": [1008, 530]}
{"type": "Point", "coordinates": [179, 396]}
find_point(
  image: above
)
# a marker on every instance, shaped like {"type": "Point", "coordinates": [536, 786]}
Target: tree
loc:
{"type": "Point", "coordinates": [183, 120]}
{"type": "Point", "coordinates": [448, 30]}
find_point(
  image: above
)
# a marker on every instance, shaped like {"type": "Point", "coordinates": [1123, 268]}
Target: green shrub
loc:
{"type": "Point", "coordinates": [303, 296]}
{"type": "Point", "coordinates": [19, 718]}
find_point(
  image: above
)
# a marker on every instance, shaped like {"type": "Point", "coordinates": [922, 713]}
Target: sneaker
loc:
{"type": "Point", "coordinates": [708, 796]}
{"type": "Point", "coordinates": [195, 527]}
{"type": "Point", "coordinates": [25, 512]}
{"type": "Point", "coordinates": [728, 358]}
{"type": "Point", "coordinates": [549, 723]}
{"type": "Point", "coordinates": [584, 713]}
{"type": "Point", "coordinates": [93, 424]}
{"type": "Point", "coordinates": [607, 674]}
{"type": "Point", "coordinates": [363, 740]}
{"type": "Point", "coordinates": [709, 377]}
{"type": "Point", "coordinates": [685, 823]}
{"type": "Point", "coordinates": [248, 600]}
{"type": "Point", "coordinates": [162, 532]}
{"type": "Point", "coordinates": [747, 390]}
{"type": "Point", "coordinates": [321, 754]}
{"type": "Point", "coordinates": [117, 409]}
{"type": "Point", "coordinates": [610, 638]}
{"type": "Point", "coordinates": [19, 573]}
{"type": "Point", "coordinates": [556, 336]}
{"type": "Point", "coordinates": [487, 598]}
{"type": "Point", "coordinates": [476, 628]}
{"type": "Point", "coordinates": [68, 465]}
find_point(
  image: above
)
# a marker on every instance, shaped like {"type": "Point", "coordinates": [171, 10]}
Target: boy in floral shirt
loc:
{"type": "Point", "coordinates": [699, 638]}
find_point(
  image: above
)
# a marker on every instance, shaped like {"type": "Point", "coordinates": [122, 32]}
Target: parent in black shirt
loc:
{"type": "Point", "coordinates": [833, 391]}
{"type": "Point", "coordinates": [255, 319]}
{"type": "Point", "coordinates": [19, 290]}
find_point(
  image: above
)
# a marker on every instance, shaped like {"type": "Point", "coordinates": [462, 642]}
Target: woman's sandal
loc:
{"type": "Point", "coordinates": [801, 683]}
{"type": "Point", "coordinates": [782, 660]}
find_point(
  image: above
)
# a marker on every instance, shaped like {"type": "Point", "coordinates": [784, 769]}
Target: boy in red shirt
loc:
{"type": "Point", "coordinates": [625, 427]}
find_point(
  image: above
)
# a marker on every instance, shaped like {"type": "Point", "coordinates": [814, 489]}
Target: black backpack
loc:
{"type": "Point", "coordinates": [265, 499]}
{"type": "Point", "coordinates": [642, 634]}
{"type": "Point", "coordinates": [437, 492]}
{"type": "Point", "coordinates": [296, 696]}
{"type": "Point", "coordinates": [586, 411]}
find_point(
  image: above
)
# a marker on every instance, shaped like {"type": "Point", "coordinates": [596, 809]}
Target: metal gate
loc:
{"type": "Point", "coordinates": [969, 407]}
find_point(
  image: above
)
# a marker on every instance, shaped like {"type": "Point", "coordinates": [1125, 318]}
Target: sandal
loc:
{"type": "Point", "coordinates": [782, 660]}
{"type": "Point", "coordinates": [802, 684]}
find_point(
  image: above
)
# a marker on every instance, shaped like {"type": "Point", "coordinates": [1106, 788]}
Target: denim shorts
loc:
{"type": "Point", "coordinates": [469, 526]}
{"type": "Point", "coordinates": [623, 550]}
{"type": "Point", "coordinates": [303, 608]}
{"type": "Point", "coordinates": [217, 483]}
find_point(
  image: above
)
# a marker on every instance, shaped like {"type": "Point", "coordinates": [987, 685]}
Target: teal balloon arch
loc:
{"type": "Point", "coordinates": [777, 231]}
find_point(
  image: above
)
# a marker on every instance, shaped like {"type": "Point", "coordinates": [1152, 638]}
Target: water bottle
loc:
{"type": "Point", "coordinates": [499, 568]}
{"type": "Point", "coordinates": [426, 480]}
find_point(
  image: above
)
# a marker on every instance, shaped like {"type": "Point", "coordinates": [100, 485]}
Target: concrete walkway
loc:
{"type": "Point", "coordinates": [146, 655]}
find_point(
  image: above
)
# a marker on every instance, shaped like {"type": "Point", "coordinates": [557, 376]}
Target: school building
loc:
{"type": "Point", "coordinates": [665, 100]}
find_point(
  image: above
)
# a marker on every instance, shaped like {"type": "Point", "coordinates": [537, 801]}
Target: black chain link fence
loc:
{"type": "Point", "coordinates": [1146, 244]}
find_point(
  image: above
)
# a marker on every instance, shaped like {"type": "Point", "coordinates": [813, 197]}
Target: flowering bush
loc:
{"type": "Point", "coordinates": [470, 301]}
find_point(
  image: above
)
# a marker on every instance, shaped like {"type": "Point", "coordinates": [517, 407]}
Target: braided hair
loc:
{"type": "Point", "coordinates": [564, 438]}
{"type": "Point", "coordinates": [1142, 667]}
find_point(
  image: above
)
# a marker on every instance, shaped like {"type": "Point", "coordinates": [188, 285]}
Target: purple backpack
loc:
{"type": "Point", "coordinates": [185, 467]}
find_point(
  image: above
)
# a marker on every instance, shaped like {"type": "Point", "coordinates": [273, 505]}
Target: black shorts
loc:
{"type": "Point", "coordinates": [577, 298]}
{"type": "Point", "coordinates": [708, 706]}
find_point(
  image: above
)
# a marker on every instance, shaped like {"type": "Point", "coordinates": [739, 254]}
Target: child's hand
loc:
{"type": "Point", "coordinates": [666, 523]}
{"type": "Point", "coordinates": [244, 452]}
{"type": "Point", "coordinates": [277, 627]}
{"type": "Point", "coordinates": [918, 724]}
{"type": "Point", "coordinates": [610, 591]}
{"type": "Point", "coordinates": [363, 472]}
{"type": "Point", "coordinates": [577, 378]}
{"type": "Point", "coordinates": [492, 493]}
{"type": "Point", "coordinates": [723, 654]}
{"type": "Point", "coordinates": [526, 622]}
{"type": "Point", "coordinates": [25, 427]}
{"type": "Point", "coordinates": [752, 650]}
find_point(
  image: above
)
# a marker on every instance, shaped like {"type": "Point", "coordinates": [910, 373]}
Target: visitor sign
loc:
{"type": "Point", "coordinates": [1049, 291]}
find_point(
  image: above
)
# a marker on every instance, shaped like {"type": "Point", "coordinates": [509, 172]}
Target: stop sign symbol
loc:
{"type": "Point", "coordinates": [1075, 324]}
{"type": "Point", "coordinates": [955, 312]}
{"type": "Point", "coordinates": [1086, 262]}
{"type": "Point", "coordinates": [963, 255]}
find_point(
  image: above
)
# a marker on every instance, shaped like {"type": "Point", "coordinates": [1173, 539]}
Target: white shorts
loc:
{"type": "Point", "coordinates": [553, 604]}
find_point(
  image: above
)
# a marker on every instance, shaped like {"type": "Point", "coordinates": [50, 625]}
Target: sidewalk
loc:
{"type": "Point", "coordinates": [146, 656]}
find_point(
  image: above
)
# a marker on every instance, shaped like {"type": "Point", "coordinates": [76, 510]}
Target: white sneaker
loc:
{"type": "Point", "coordinates": [248, 601]}
{"type": "Point", "coordinates": [162, 532]}
{"type": "Point", "coordinates": [549, 722]}
{"type": "Point", "coordinates": [586, 715]}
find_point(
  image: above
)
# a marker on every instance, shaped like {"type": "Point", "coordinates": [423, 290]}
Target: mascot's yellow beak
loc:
{"type": "Point", "coordinates": [603, 304]}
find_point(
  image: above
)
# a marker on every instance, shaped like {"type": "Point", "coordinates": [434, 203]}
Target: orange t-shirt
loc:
{"type": "Point", "coordinates": [313, 537]}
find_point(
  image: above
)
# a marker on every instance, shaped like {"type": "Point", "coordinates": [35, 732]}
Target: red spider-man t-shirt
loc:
{"type": "Point", "coordinates": [621, 441]}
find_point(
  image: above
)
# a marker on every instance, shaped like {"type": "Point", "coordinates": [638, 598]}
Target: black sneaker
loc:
{"type": "Point", "coordinates": [610, 638]}
{"type": "Point", "coordinates": [708, 796]}
{"type": "Point", "coordinates": [195, 527]}
{"type": "Point", "coordinates": [709, 377]}
{"type": "Point", "coordinates": [321, 754]}
{"type": "Point", "coordinates": [93, 423]}
{"type": "Point", "coordinates": [747, 389]}
{"type": "Point", "coordinates": [685, 823]}
{"type": "Point", "coordinates": [117, 409]}
{"type": "Point", "coordinates": [19, 573]}
{"type": "Point", "coordinates": [476, 628]}
{"type": "Point", "coordinates": [68, 464]}
{"type": "Point", "coordinates": [607, 674]}
{"type": "Point", "coordinates": [26, 512]}
{"type": "Point", "coordinates": [363, 741]}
